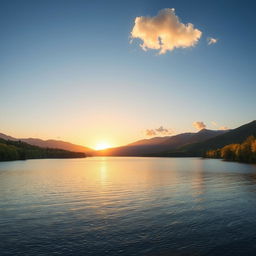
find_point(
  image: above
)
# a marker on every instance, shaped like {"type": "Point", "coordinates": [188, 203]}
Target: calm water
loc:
{"type": "Point", "coordinates": [127, 206]}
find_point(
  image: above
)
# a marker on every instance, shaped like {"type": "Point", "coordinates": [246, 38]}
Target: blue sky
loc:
{"type": "Point", "coordinates": [68, 71]}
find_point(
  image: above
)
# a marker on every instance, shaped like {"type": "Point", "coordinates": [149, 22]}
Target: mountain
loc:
{"type": "Point", "coordinates": [188, 138]}
{"type": "Point", "coordinates": [245, 152]}
{"type": "Point", "coordinates": [50, 144]}
{"type": "Point", "coordinates": [18, 150]}
{"type": "Point", "coordinates": [6, 137]}
{"type": "Point", "coordinates": [185, 144]}
{"type": "Point", "coordinates": [160, 144]}
{"type": "Point", "coordinates": [57, 144]}
{"type": "Point", "coordinates": [237, 135]}
{"type": "Point", "coordinates": [152, 141]}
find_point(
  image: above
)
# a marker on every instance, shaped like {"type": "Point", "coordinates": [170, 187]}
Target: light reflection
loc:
{"type": "Point", "coordinates": [103, 170]}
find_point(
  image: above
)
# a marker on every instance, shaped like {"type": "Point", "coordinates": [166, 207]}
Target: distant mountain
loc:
{"type": "Point", "coordinates": [185, 144]}
{"type": "Point", "coordinates": [18, 150]}
{"type": "Point", "coordinates": [160, 144]}
{"type": "Point", "coordinates": [237, 135]}
{"type": "Point", "coordinates": [245, 152]}
{"type": "Point", "coordinates": [152, 141]}
{"type": "Point", "coordinates": [188, 138]}
{"type": "Point", "coordinates": [6, 137]}
{"type": "Point", "coordinates": [50, 144]}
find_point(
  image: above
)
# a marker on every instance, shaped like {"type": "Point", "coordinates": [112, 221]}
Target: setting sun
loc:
{"type": "Point", "coordinates": [101, 146]}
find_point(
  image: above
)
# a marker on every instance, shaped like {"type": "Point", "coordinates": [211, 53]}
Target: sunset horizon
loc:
{"type": "Point", "coordinates": [128, 128]}
{"type": "Point", "coordinates": [146, 135]}
{"type": "Point", "coordinates": [72, 87]}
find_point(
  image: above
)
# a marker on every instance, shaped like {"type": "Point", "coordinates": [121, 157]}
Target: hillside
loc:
{"type": "Point", "coordinates": [160, 144]}
{"type": "Point", "coordinates": [18, 150]}
{"type": "Point", "coordinates": [50, 144]}
{"type": "Point", "coordinates": [244, 152]}
{"type": "Point", "coordinates": [237, 135]}
{"type": "Point", "coordinates": [151, 141]}
{"type": "Point", "coordinates": [234, 136]}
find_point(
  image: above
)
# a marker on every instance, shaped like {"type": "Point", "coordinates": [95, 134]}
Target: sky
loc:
{"type": "Point", "coordinates": [93, 71]}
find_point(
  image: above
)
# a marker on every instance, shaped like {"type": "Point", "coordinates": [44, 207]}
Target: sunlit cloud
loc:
{"type": "Point", "coordinates": [212, 40]}
{"type": "Point", "coordinates": [150, 132]}
{"type": "Point", "coordinates": [164, 32]}
{"type": "Point", "coordinates": [216, 125]}
{"type": "Point", "coordinates": [161, 131]}
{"type": "Point", "coordinates": [223, 128]}
{"type": "Point", "coordinates": [199, 125]}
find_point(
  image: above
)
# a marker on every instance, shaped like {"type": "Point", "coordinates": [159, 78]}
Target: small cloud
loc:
{"type": "Point", "coordinates": [212, 40]}
{"type": "Point", "coordinates": [150, 132]}
{"type": "Point", "coordinates": [223, 128]}
{"type": "Point", "coordinates": [164, 32]}
{"type": "Point", "coordinates": [215, 124]}
{"type": "Point", "coordinates": [161, 131]}
{"type": "Point", "coordinates": [199, 125]}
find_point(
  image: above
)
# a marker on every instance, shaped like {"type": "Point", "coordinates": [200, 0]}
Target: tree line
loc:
{"type": "Point", "coordinates": [244, 152]}
{"type": "Point", "coordinates": [18, 150]}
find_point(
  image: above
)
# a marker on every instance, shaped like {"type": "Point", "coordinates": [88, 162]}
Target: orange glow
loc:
{"type": "Point", "coordinates": [102, 145]}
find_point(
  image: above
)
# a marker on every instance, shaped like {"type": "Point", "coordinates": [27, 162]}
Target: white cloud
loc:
{"type": "Point", "coordinates": [212, 40]}
{"type": "Point", "coordinates": [223, 128]}
{"type": "Point", "coordinates": [161, 131]}
{"type": "Point", "coordinates": [216, 125]}
{"type": "Point", "coordinates": [199, 125]}
{"type": "Point", "coordinates": [164, 32]}
{"type": "Point", "coordinates": [150, 132]}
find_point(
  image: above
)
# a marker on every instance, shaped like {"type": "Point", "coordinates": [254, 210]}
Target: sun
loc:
{"type": "Point", "coordinates": [102, 145]}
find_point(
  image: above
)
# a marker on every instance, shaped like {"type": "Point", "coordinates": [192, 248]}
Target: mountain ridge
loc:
{"type": "Point", "coordinates": [237, 135]}
{"type": "Point", "coordinates": [184, 144]}
{"type": "Point", "coordinates": [50, 143]}
{"type": "Point", "coordinates": [19, 150]}
{"type": "Point", "coordinates": [159, 144]}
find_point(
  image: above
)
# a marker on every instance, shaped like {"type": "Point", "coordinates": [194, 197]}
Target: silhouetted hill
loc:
{"type": "Point", "coordinates": [237, 135]}
{"type": "Point", "coordinates": [6, 137]}
{"type": "Point", "coordinates": [18, 150]}
{"type": "Point", "coordinates": [50, 144]}
{"type": "Point", "coordinates": [188, 138]}
{"type": "Point", "coordinates": [245, 152]}
{"type": "Point", "coordinates": [151, 141]}
{"type": "Point", "coordinates": [159, 144]}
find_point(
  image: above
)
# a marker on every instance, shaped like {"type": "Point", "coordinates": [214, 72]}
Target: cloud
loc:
{"type": "Point", "coordinates": [150, 132]}
{"type": "Point", "coordinates": [199, 125]}
{"type": "Point", "coordinates": [212, 40]}
{"type": "Point", "coordinates": [163, 131]}
{"type": "Point", "coordinates": [164, 32]}
{"type": "Point", "coordinates": [215, 124]}
{"type": "Point", "coordinates": [223, 128]}
{"type": "Point", "coordinates": [159, 131]}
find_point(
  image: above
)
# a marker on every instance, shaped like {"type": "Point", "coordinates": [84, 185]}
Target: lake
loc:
{"type": "Point", "coordinates": [127, 206]}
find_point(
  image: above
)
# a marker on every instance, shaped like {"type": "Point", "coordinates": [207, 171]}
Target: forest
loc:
{"type": "Point", "coordinates": [243, 152]}
{"type": "Point", "coordinates": [18, 150]}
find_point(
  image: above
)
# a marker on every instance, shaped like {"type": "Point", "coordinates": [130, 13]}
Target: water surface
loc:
{"type": "Point", "coordinates": [127, 206]}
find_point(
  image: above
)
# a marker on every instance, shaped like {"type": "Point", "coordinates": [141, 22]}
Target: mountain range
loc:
{"type": "Point", "coordinates": [51, 144]}
{"type": "Point", "coordinates": [158, 145]}
{"type": "Point", "coordinates": [19, 150]}
{"type": "Point", "coordinates": [235, 136]}
{"type": "Point", "coordinates": [184, 144]}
